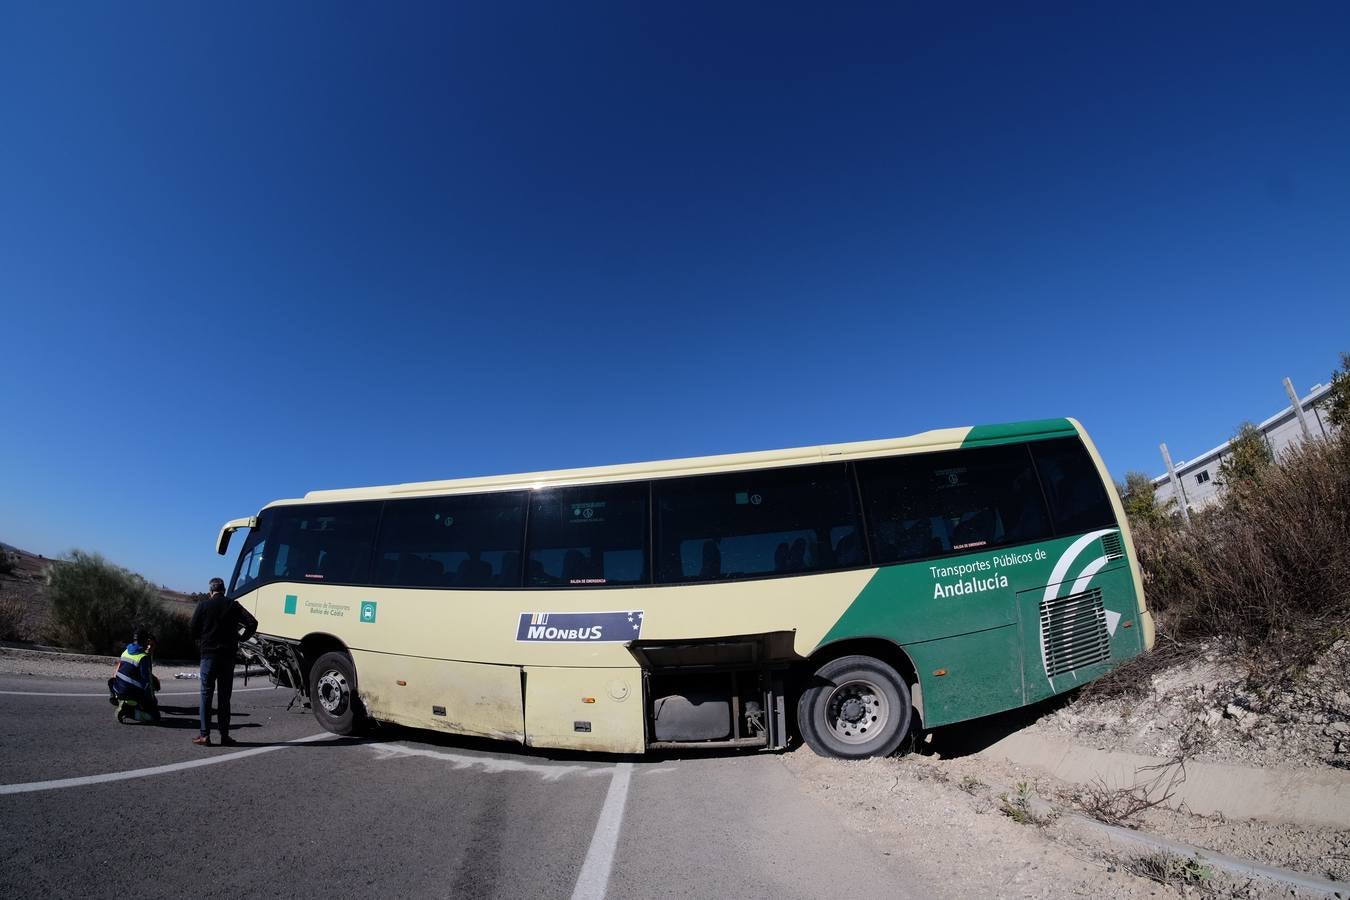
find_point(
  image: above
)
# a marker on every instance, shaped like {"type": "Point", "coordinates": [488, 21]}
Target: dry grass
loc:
{"type": "Point", "coordinates": [11, 620]}
{"type": "Point", "coordinates": [1018, 807]}
{"type": "Point", "coordinates": [1134, 679]}
{"type": "Point", "coordinates": [1124, 806]}
{"type": "Point", "coordinates": [1156, 785]}
{"type": "Point", "coordinates": [1268, 568]}
{"type": "Point", "coordinates": [1174, 871]}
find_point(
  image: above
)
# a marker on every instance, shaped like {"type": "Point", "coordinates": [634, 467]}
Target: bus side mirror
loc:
{"type": "Point", "coordinates": [229, 528]}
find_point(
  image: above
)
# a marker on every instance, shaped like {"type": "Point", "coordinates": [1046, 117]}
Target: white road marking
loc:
{"type": "Point", "coordinates": [105, 693]}
{"type": "Point", "coordinates": [81, 781]}
{"type": "Point", "coordinates": [594, 878]}
{"type": "Point", "coordinates": [492, 765]}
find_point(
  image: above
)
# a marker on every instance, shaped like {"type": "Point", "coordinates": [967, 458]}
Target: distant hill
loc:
{"type": "Point", "coordinates": [27, 586]}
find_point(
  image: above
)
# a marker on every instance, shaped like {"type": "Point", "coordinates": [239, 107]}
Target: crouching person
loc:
{"type": "Point", "coordinates": [134, 684]}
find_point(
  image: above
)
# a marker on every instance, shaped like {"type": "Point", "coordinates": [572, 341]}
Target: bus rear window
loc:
{"type": "Point", "coordinates": [1078, 499]}
{"type": "Point", "coordinates": [960, 501]}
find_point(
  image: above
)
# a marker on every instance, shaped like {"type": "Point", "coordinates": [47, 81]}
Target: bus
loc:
{"type": "Point", "coordinates": [853, 594]}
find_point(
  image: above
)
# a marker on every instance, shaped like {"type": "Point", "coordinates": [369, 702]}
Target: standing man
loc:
{"type": "Point", "coordinates": [218, 625]}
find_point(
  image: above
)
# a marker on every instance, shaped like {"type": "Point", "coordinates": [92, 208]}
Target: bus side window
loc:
{"type": "Point", "coordinates": [756, 524]}
{"type": "Point", "coordinates": [932, 504]}
{"type": "Point", "coordinates": [328, 543]}
{"type": "Point", "coordinates": [848, 549]}
{"type": "Point", "coordinates": [460, 540]}
{"type": "Point", "coordinates": [588, 536]}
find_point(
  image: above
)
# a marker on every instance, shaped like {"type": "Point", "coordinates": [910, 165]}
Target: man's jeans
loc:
{"type": "Point", "coordinates": [218, 675]}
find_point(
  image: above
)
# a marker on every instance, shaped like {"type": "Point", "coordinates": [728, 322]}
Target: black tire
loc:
{"type": "Point", "coordinates": [855, 707]}
{"type": "Point", "coordinates": [332, 693]}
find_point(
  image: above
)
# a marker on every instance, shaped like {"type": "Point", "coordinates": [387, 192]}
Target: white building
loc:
{"type": "Point", "coordinates": [1197, 475]}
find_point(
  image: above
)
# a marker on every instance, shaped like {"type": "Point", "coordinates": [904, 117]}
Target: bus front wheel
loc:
{"type": "Point", "coordinates": [855, 707]}
{"type": "Point", "coordinates": [332, 692]}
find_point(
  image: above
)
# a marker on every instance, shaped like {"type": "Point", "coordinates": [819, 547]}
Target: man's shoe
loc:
{"type": "Point", "coordinates": [121, 715]}
{"type": "Point", "coordinates": [202, 740]}
{"type": "Point", "coordinates": [227, 741]}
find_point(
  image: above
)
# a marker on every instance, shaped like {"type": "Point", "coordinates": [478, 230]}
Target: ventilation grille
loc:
{"type": "Point", "coordinates": [1111, 544]}
{"type": "Point", "coordinates": [1074, 631]}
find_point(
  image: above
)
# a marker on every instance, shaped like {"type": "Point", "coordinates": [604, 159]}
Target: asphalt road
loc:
{"type": "Point", "coordinates": [91, 808]}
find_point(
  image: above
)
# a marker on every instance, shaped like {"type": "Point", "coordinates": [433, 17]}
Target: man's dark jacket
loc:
{"type": "Point", "coordinates": [216, 624]}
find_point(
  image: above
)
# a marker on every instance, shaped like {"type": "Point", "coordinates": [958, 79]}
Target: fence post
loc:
{"type": "Point", "coordinates": [1298, 409]}
{"type": "Point", "coordinates": [1178, 489]}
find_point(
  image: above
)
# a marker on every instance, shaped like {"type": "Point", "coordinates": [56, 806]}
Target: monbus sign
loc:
{"type": "Point", "coordinates": [580, 628]}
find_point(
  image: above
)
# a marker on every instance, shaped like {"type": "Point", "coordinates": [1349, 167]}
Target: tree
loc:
{"type": "Point", "coordinates": [1338, 404]}
{"type": "Point", "coordinates": [1141, 501]}
{"type": "Point", "coordinates": [1248, 457]}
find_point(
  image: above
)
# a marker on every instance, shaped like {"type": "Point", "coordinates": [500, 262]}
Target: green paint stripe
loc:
{"type": "Point", "coordinates": [1014, 432]}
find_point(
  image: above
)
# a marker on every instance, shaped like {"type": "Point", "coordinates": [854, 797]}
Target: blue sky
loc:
{"type": "Point", "coordinates": [255, 250]}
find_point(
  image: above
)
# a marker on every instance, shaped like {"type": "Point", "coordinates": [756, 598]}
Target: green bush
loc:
{"type": "Point", "coordinates": [173, 639]}
{"type": "Point", "coordinates": [96, 604]}
{"type": "Point", "coordinates": [1248, 458]}
{"type": "Point", "coordinates": [1140, 500]}
{"type": "Point", "coordinates": [1338, 407]}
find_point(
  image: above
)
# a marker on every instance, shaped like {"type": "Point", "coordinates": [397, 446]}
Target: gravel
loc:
{"type": "Point", "coordinates": [55, 664]}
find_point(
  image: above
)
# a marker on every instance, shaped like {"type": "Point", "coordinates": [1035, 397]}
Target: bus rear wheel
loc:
{"type": "Point", "coordinates": [855, 707]}
{"type": "Point", "coordinates": [332, 693]}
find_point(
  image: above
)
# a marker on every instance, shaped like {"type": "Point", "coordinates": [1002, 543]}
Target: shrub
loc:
{"type": "Point", "coordinates": [1019, 808]}
{"type": "Point", "coordinates": [95, 604]}
{"type": "Point", "coordinates": [1338, 407]}
{"type": "Point", "coordinates": [173, 637]}
{"type": "Point", "coordinates": [1248, 457]}
{"type": "Point", "coordinates": [1169, 869]}
{"type": "Point", "coordinates": [11, 620]}
{"type": "Point", "coordinates": [9, 561]}
{"type": "Point", "coordinates": [1140, 500]}
{"type": "Point", "coordinates": [1268, 566]}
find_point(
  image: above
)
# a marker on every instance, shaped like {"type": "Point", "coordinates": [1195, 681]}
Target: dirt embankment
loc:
{"type": "Point", "coordinates": [986, 822]}
{"type": "Point", "coordinates": [985, 814]}
{"type": "Point", "coordinates": [1213, 707]}
{"type": "Point", "coordinates": [24, 591]}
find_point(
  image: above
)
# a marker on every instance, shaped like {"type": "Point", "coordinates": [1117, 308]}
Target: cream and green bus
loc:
{"type": "Point", "coordinates": [853, 594]}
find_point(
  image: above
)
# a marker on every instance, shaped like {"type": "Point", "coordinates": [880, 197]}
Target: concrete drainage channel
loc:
{"type": "Point", "coordinates": [1240, 868]}
{"type": "Point", "coordinates": [1232, 865]}
{"type": "Point", "coordinates": [1305, 797]}
{"type": "Point", "coordinates": [1309, 798]}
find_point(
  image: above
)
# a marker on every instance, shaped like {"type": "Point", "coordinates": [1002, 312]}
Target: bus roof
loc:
{"type": "Point", "coordinates": [939, 439]}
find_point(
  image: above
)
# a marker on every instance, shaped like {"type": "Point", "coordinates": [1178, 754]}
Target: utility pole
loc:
{"type": "Point", "coordinates": [1298, 409]}
{"type": "Point", "coordinates": [1178, 489]}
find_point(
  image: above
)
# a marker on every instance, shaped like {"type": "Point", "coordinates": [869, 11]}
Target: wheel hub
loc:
{"type": "Point", "coordinates": [333, 692]}
{"type": "Point", "coordinates": [852, 710]}
{"type": "Point", "coordinates": [857, 712]}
